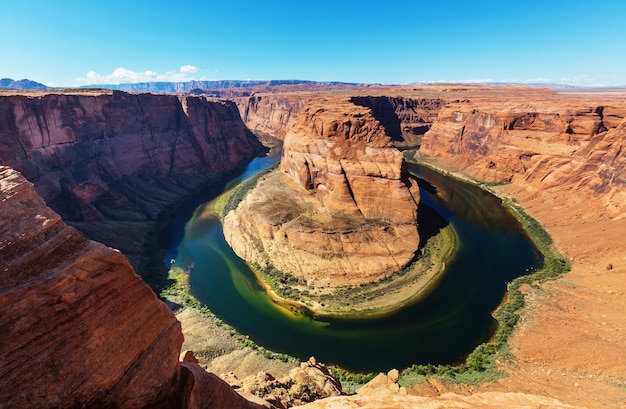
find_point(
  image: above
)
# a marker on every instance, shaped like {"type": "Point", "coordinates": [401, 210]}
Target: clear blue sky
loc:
{"type": "Point", "coordinates": [63, 42]}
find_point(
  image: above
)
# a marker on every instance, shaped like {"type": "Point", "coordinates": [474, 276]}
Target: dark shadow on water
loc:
{"type": "Point", "coordinates": [429, 223]}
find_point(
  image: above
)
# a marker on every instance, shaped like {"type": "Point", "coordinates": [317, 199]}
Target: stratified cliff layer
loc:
{"type": "Point", "coordinates": [113, 155]}
{"type": "Point", "coordinates": [405, 119]}
{"type": "Point", "coordinates": [78, 327]}
{"type": "Point", "coordinates": [563, 144]}
{"type": "Point", "coordinates": [340, 211]}
{"type": "Point", "coordinates": [110, 162]}
{"type": "Point", "coordinates": [272, 114]}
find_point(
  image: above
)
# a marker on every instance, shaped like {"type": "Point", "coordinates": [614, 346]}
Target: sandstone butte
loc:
{"type": "Point", "coordinates": [339, 211]}
{"type": "Point", "coordinates": [561, 156]}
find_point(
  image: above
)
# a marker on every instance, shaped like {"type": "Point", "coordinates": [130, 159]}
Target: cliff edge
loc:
{"type": "Point", "coordinates": [79, 327]}
{"type": "Point", "coordinates": [340, 211]}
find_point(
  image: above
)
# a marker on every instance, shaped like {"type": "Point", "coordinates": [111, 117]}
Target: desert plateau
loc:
{"type": "Point", "coordinates": [330, 204]}
{"type": "Point", "coordinates": [80, 326]}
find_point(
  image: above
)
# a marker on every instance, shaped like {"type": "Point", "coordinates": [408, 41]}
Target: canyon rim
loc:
{"type": "Point", "coordinates": [110, 162]}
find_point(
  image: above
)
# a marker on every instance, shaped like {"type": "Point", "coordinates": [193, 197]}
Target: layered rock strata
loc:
{"type": "Point", "coordinates": [272, 114]}
{"type": "Point", "coordinates": [406, 120]}
{"type": "Point", "coordinates": [560, 146]}
{"type": "Point", "coordinates": [110, 162]}
{"type": "Point", "coordinates": [340, 210]}
{"type": "Point", "coordinates": [78, 327]}
{"type": "Point", "coordinates": [112, 155]}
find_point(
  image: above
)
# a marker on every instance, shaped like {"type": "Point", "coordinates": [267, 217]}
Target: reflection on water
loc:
{"type": "Point", "coordinates": [442, 328]}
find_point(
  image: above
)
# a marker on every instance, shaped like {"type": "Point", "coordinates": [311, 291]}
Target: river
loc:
{"type": "Point", "coordinates": [444, 327]}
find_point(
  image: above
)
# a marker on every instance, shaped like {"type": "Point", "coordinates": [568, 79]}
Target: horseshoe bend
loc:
{"type": "Point", "coordinates": [80, 328]}
{"type": "Point", "coordinates": [340, 210]}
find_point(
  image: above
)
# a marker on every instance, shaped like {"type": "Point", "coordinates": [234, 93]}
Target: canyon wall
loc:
{"type": "Point", "coordinates": [113, 155]}
{"type": "Point", "coordinates": [340, 211]}
{"type": "Point", "coordinates": [78, 327]}
{"type": "Point", "coordinates": [110, 162]}
{"type": "Point", "coordinates": [405, 119]}
{"type": "Point", "coordinates": [271, 114]}
{"type": "Point", "coordinates": [561, 145]}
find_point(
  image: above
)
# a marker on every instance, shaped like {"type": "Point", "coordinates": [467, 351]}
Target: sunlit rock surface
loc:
{"type": "Point", "coordinates": [340, 210]}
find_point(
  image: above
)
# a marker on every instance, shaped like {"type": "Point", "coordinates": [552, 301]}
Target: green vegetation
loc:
{"type": "Point", "coordinates": [367, 299]}
{"type": "Point", "coordinates": [480, 366]}
{"type": "Point", "coordinates": [230, 199]}
{"type": "Point", "coordinates": [352, 381]}
{"type": "Point", "coordinates": [178, 293]}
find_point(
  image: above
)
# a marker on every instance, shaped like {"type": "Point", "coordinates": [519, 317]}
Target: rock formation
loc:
{"type": "Point", "coordinates": [563, 144]}
{"type": "Point", "coordinates": [111, 162]}
{"type": "Point", "coordinates": [341, 212]}
{"type": "Point", "coordinates": [79, 327]}
{"type": "Point", "coordinates": [405, 119]}
{"type": "Point", "coordinates": [113, 155]}
{"type": "Point", "coordinates": [271, 114]}
{"type": "Point", "coordinates": [307, 383]}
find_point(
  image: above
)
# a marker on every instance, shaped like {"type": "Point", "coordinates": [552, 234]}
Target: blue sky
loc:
{"type": "Point", "coordinates": [64, 43]}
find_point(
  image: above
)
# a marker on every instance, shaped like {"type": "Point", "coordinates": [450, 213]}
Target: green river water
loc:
{"type": "Point", "coordinates": [442, 328]}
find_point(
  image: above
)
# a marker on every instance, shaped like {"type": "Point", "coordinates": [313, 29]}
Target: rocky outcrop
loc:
{"type": "Point", "coordinates": [307, 383]}
{"type": "Point", "coordinates": [271, 114]}
{"type": "Point", "coordinates": [344, 153]}
{"type": "Point", "coordinates": [79, 327]}
{"type": "Point", "coordinates": [345, 214]}
{"type": "Point", "coordinates": [405, 119]}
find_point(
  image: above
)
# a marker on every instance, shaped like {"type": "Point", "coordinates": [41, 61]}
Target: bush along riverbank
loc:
{"type": "Point", "coordinates": [481, 364]}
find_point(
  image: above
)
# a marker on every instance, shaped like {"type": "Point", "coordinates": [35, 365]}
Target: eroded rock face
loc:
{"type": "Point", "coordinates": [111, 162]}
{"type": "Point", "coordinates": [405, 119]}
{"type": "Point", "coordinates": [344, 154]}
{"type": "Point", "coordinates": [307, 383]}
{"type": "Point", "coordinates": [345, 214]}
{"type": "Point", "coordinates": [113, 155]}
{"type": "Point", "coordinates": [78, 327]}
{"type": "Point", "coordinates": [271, 114]}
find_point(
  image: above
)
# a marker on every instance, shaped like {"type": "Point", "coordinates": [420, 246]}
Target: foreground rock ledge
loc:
{"type": "Point", "coordinates": [78, 328]}
{"type": "Point", "coordinates": [340, 211]}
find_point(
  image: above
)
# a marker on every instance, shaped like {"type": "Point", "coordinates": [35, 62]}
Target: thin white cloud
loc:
{"type": "Point", "coordinates": [190, 69]}
{"type": "Point", "coordinates": [122, 75]}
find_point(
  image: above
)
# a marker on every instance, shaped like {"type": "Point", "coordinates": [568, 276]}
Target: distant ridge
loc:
{"type": "Point", "coordinates": [553, 86]}
{"type": "Point", "coordinates": [178, 87]}
{"type": "Point", "coordinates": [21, 84]}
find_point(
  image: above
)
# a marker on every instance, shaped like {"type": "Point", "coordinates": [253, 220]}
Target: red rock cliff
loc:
{"type": "Point", "coordinates": [554, 143]}
{"type": "Point", "coordinates": [340, 210]}
{"type": "Point", "coordinates": [78, 328]}
{"type": "Point", "coordinates": [271, 114]}
{"type": "Point", "coordinates": [405, 119]}
{"type": "Point", "coordinates": [90, 154]}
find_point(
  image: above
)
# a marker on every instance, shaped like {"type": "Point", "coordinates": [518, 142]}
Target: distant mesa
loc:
{"type": "Point", "coordinates": [197, 86]}
{"type": "Point", "coordinates": [21, 84]}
